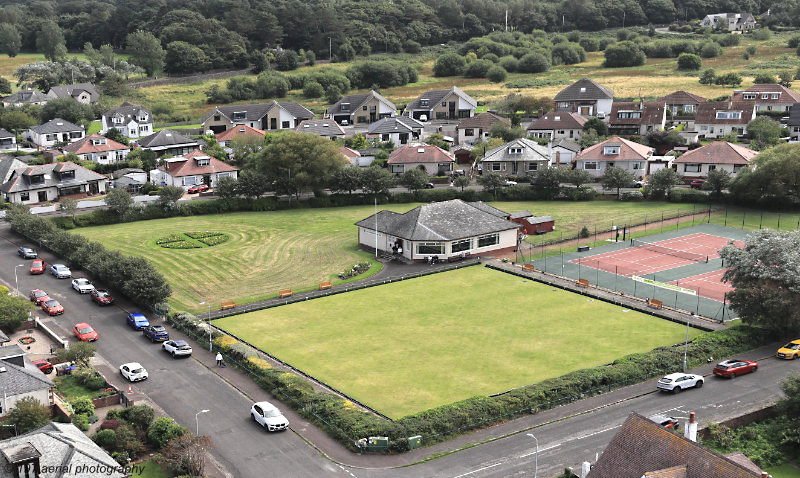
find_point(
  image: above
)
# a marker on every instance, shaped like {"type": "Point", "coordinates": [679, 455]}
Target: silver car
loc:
{"type": "Point", "coordinates": [177, 348]}
{"type": "Point", "coordinates": [675, 382]}
{"type": "Point", "coordinates": [82, 285]}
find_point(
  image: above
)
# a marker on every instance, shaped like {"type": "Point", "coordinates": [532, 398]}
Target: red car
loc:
{"type": "Point", "coordinates": [43, 365]}
{"type": "Point", "coordinates": [199, 188]}
{"type": "Point", "coordinates": [84, 332]}
{"type": "Point", "coordinates": [697, 184]}
{"type": "Point", "coordinates": [37, 266]}
{"type": "Point", "coordinates": [38, 296]}
{"type": "Point", "coordinates": [52, 307]}
{"type": "Point", "coordinates": [733, 367]}
{"type": "Point", "coordinates": [101, 296]}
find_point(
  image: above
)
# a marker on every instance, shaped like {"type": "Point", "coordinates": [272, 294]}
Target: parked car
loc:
{"type": "Point", "coordinates": [60, 271]}
{"type": "Point", "coordinates": [268, 416]}
{"type": "Point", "coordinates": [84, 332]}
{"type": "Point", "coordinates": [43, 365]}
{"type": "Point", "coordinates": [675, 382]}
{"type": "Point", "coordinates": [665, 421]}
{"type": "Point", "coordinates": [697, 184]}
{"type": "Point", "coordinates": [639, 183]}
{"type": "Point", "coordinates": [38, 296]}
{"type": "Point", "coordinates": [510, 182]}
{"type": "Point", "coordinates": [133, 371]}
{"type": "Point", "coordinates": [101, 296]}
{"type": "Point", "coordinates": [82, 285]}
{"type": "Point", "coordinates": [37, 266]}
{"type": "Point", "coordinates": [789, 351]}
{"type": "Point", "coordinates": [733, 367]}
{"type": "Point", "coordinates": [52, 307]}
{"type": "Point", "coordinates": [27, 253]}
{"type": "Point", "coordinates": [198, 188]}
{"type": "Point", "coordinates": [429, 186]}
{"type": "Point", "coordinates": [177, 348]}
{"type": "Point", "coordinates": [137, 321]}
{"type": "Point", "coordinates": [156, 333]}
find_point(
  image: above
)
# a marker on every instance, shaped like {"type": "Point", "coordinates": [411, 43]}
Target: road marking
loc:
{"type": "Point", "coordinates": [595, 433]}
{"type": "Point", "coordinates": [540, 450]}
{"type": "Point", "coordinates": [479, 469]}
{"type": "Point", "coordinates": [346, 470]}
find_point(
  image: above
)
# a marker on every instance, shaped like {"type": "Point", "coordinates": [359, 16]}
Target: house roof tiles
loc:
{"type": "Point", "coordinates": [482, 121]}
{"type": "Point", "coordinates": [531, 151]}
{"type": "Point", "coordinates": [321, 127]}
{"type": "Point", "coordinates": [707, 112]}
{"type": "Point", "coordinates": [566, 144]}
{"type": "Point", "coordinates": [682, 98]}
{"type": "Point", "coordinates": [87, 145]}
{"type": "Point", "coordinates": [420, 153]}
{"type": "Point", "coordinates": [584, 89]}
{"type": "Point", "coordinates": [718, 152]}
{"type": "Point", "coordinates": [239, 130]}
{"type": "Point", "coordinates": [558, 120]}
{"type": "Point", "coordinates": [164, 139]}
{"type": "Point", "coordinates": [187, 165]}
{"type": "Point", "coordinates": [26, 96]}
{"type": "Point", "coordinates": [56, 125]}
{"type": "Point", "coordinates": [650, 113]}
{"type": "Point", "coordinates": [395, 124]}
{"type": "Point", "coordinates": [72, 91]}
{"type": "Point", "coordinates": [785, 95]}
{"type": "Point", "coordinates": [129, 112]}
{"type": "Point", "coordinates": [435, 96]}
{"type": "Point", "coordinates": [628, 151]}
{"type": "Point", "coordinates": [255, 112]}
{"type": "Point", "coordinates": [355, 101]}
{"type": "Point", "coordinates": [20, 179]}
{"type": "Point", "coordinates": [19, 380]}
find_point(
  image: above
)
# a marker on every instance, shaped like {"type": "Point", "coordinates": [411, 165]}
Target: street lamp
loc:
{"type": "Point", "coordinates": [686, 344]}
{"type": "Point", "coordinates": [197, 421]}
{"type": "Point", "coordinates": [536, 456]}
{"type": "Point", "coordinates": [16, 281]}
{"type": "Point", "coordinates": [208, 324]}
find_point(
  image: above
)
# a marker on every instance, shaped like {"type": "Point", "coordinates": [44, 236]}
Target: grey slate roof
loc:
{"type": "Point", "coordinates": [395, 124]}
{"type": "Point", "coordinates": [490, 209]}
{"type": "Point", "coordinates": [356, 101]}
{"type": "Point", "coordinates": [520, 214]}
{"type": "Point", "coordinates": [27, 96]}
{"type": "Point", "coordinates": [11, 351]}
{"type": "Point", "coordinates": [17, 380]}
{"type": "Point", "coordinates": [5, 134]}
{"type": "Point", "coordinates": [164, 139]}
{"type": "Point", "coordinates": [20, 178]}
{"type": "Point", "coordinates": [438, 221]}
{"type": "Point", "coordinates": [567, 144]}
{"type": "Point", "coordinates": [320, 127]}
{"type": "Point", "coordinates": [255, 112]}
{"type": "Point", "coordinates": [591, 91]}
{"type": "Point", "coordinates": [794, 116]}
{"type": "Point", "coordinates": [531, 151]}
{"type": "Point", "coordinates": [435, 96]}
{"type": "Point", "coordinates": [129, 113]}
{"type": "Point", "coordinates": [7, 166]}
{"type": "Point", "coordinates": [56, 125]}
{"type": "Point", "coordinates": [71, 91]}
{"type": "Point", "coordinates": [540, 219]}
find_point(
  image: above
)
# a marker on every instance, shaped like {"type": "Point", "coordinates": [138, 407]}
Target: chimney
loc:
{"type": "Point", "coordinates": [585, 468]}
{"type": "Point", "coordinates": [690, 431]}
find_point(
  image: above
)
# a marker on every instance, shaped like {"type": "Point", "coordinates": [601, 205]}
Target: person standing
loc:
{"type": "Point", "coordinates": [219, 359]}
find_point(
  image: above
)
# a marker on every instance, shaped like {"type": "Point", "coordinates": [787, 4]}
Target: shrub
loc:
{"type": "Point", "coordinates": [584, 232]}
{"type": "Point", "coordinates": [312, 89]}
{"type": "Point", "coordinates": [496, 74]}
{"type": "Point", "coordinates": [83, 406]}
{"type": "Point", "coordinates": [110, 424]}
{"type": "Point", "coordinates": [687, 195]}
{"type": "Point", "coordinates": [478, 69]}
{"type": "Point", "coordinates": [105, 438]}
{"type": "Point", "coordinates": [509, 63]}
{"type": "Point", "coordinates": [163, 430]}
{"type": "Point", "coordinates": [710, 50]}
{"type": "Point", "coordinates": [589, 44]}
{"type": "Point", "coordinates": [624, 54]}
{"type": "Point", "coordinates": [258, 363]}
{"type": "Point", "coordinates": [224, 342]}
{"type": "Point", "coordinates": [689, 62]}
{"type": "Point", "coordinates": [80, 421]}
{"type": "Point", "coordinates": [90, 378]}
{"type": "Point", "coordinates": [533, 63]}
{"type": "Point", "coordinates": [449, 64]}
{"type": "Point", "coordinates": [139, 416]}
{"type": "Point", "coordinates": [631, 196]}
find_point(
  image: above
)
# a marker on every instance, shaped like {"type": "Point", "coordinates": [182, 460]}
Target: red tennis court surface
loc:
{"type": "Point", "coordinates": [708, 285]}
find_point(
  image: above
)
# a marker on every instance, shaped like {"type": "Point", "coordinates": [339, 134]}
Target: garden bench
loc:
{"type": "Point", "coordinates": [325, 285]}
{"type": "Point", "coordinates": [227, 304]}
{"type": "Point", "coordinates": [285, 293]}
{"type": "Point", "coordinates": [582, 282]}
{"type": "Point", "coordinates": [655, 303]}
{"type": "Point", "coordinates": [527, 267]}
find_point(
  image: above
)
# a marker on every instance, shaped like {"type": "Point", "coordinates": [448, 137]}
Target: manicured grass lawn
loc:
{"type": "Point", "coordinates": [413, 345]}
{"type": "Point", "coordinates": [151, 470]}
{"type": "Point", "coordinates": [71, 389]}
{"type": "Point", "coordinates": [784, 471]}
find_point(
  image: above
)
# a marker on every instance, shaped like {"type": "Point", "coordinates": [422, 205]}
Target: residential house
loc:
{"type": "Point", "coordinates": [643, 448]}
{"type": "Point", "coordinates": [733, 22]}
{"type": "Point", "coordinates": [445, 230]}
{"type": "Point", "coordinates": [586, 98]}
{"type": "Point", "coordinates": [49, 182]}
{"type": "Point", "coordinates": [563, 151]}
{"type": "Point", "coordinates": [682, 103]}
{"type": "Point", "coordinates": [355, 158]}
{"type": "Point", "coordinates": [168, 143]}
{"type": "Point", "coordinates": [99, 149]}
{"type": "Point", "coordinates": [224, 139]}
{"type": "Point", "coordinates": [768, 97]}
{"type": "Point", "coordinates": [432, 159]}
{"type": "Point", "coordinates": [361, 108]}
{"type": "Point", "coordinates": [628, 118]}
{"type": "Point", "coordinates": [397, 129]}
{"type": "Point", "coordinates": [25, 97]}
{"type": "Point", "coordinates": [718, 118]}
{"type": "Point", "coordinates": [7, 166]}
{"type": "Point", "coordinates": [719, 155]}
{"type": "Point", "coordinates": [326, 128]}
{"type": "Point", "coordinates": [616, 152]}
{"type": "Point", "coordinates": [7, 138]}
{"type": "Point", "coordinates": [131, 120]}
{"type": "Point", "coordinates": [477, 128]}
{"type": "Point", "coordinates": [56, 450]}
{"type": "Point", "coordinates": [84, 93]}
{"type": "Point", "coordinates": [558, 125]}
{"type": "Point", "coordinates": [192, 169]}
{"type": "Point", "coordinates": [19, 379]}
{"type": "Point", "coordinates": [273, 116]}
{"type": "Point", "coordinates": [794, 124]}
{"type": "Point", "coordinates": [130, 179]}
{"type": "Point", "coordinates": [449, 104]}
{"type": "Point", "coordinates": [520, 157]}
{"type": "Point", "coordinates": [54, 131]}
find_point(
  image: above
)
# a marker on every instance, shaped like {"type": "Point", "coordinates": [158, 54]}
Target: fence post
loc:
{"type": "Point", "coordinates": [744, 214]}
{"type": "Point", "coordinates": [726, 216]}
{"type": "Point", "coordinates": [779, 221]}
{"type": "Point", "coordinates": [694, 209]}
{"type": "Point", "coordinates": [662, 222]}
{"type": "Point", "coordinates": [761, 220]}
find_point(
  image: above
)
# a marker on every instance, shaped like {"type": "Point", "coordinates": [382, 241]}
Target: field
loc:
{"type": "Point", "coordinates": [450, 342]}
{"type": "Point", "coordinates": [294, 249]}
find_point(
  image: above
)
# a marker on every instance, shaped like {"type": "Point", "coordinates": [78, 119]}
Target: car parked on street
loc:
{"type": "Point", "coordinates": [38, 296]}
{"type": "Point", "coordinates": [177, 348]}
{"type": "Point", "coordinates": [82, 285]}
{"type": "Point", "coordinates": [137, 321]}
{"type": "Point", "coordinates": [735, 367]}
{"type": "Point", "coordinates": [665, 421]}
{"type": "Point", "coordinates": [27, 253]}
{"type": "Point", "coordinates": [101, 297]}
{"type": "Point", "coordinates": [37, 266]}
{"type": "Point", "coordinates": [60, 271]}
{"type": "Point", "coordinates": [156, 333]}
{"type": "Point", "coordinates": [697, 184]}
{"type": "Point", "coordinates": [133, 371]}
{"type": "Point", "coordinates": [510, 182]}
{"type": "Point", "coordinates": [429, 186]}
{"type": "Point", "coordinates": [44, 365]}
{"type": "Point", "coordinates": [789, 351]}
{"type": "Point", "coordinates": [268, 416]}
{"type": "Point", "coordinates": [84, 332]}
{"type": "Point", "coordinates": [52, 307]}
{"type": "Point", "coordinates": [198, 188]}
{"type": "Point", "coordinates": [676, 382]}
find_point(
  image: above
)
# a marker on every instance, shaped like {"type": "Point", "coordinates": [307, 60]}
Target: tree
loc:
{"type": "Point", "coordinates": [332, 94]}
{"type": "Point", "coordinates": [186, 454]}
{"type": "Point", "coordinates": [312, 89]}
{"type": "Point", "coordinates": [689, 62]}
{"type": "Point", "coordinates": [664, 140]}
{"type": "Point", "coordinates": [169, 195]}
{"type": "Point", "coordinates": [764, 78]}
{"type": "Point", "coordinates": [732, 79]}
{"type": "Point", "coordinates": [661, 182]}
{"type": "Point", "coordinates": [50, 41]}
{"type": "Point", "coordinates": [145, 50]}
{"type": "Point", "coordinates": [462, 181]}
{"type": "Point", "coordinates": [68, 206]}
{"type": "Point", "coordinates": [533, 63]}
{"type": "Point", "coordinates": [616, 178]}
{"type": "Point", "coordinates": [492, 182]}
{"type": "Point", "coordinates": [414, 179]}
{"type": "Point", "coordinates": [67, 109]}
{"type": "Point", "coordinates": [286, 61]}
{"type": "Point", "coordinates": [16, 121]}
{"type": "Point", "coordinates": [764, 132]}
{"type": "Point", "coordinates": [252, 184]}
{"type": "Point", "coordinates": [717, 180]}
{"type": "Point", "coordinates": [5, 86]}
{"type": "Point", "coordinates": [708, 77]}
{"type": "Point", "coordinates": [624, 54]}
{"type": "Point", "coordinates": [772, 179]}
{"type": "Point", "coordinates": [243, 146]}
{"type": "Point", "coordinates": [786, 78]}
{"type": "Point", "coordinates": [790, 403]}
{"type": "Point", "coordinates": [227, 187]}
{"type": "Point", "coordinates": [28, 415]}
{"type": "Point", "coordinates": [163, 430]}
{"type": "Point", "coordinates": [449, 64]}
{"type": "Point", "coordinates": [548, 181]}
{"type": "Point", "coordinates": [116, 135]}
{"type": "Point", "coordinates": [505, 131]}
{"type": "Point", "coordinates": [119, 201]}
{"type": "Point", "coordinates": [437, 139]}
{"type": "Point", "coordinates": [596, 124]}
{"type": "Point", "coordinates": [10, 39]}
{"type": "Point", "coordinates": [346, 179]}
{"type": "Point", "coordinates": [79, 352]}
{"type": "Point", "coordinates": [14, 310]}
{"type": "Point", "coordinates": [376, 180]}
{"type": "Point", "coordinates": [184, 57]}
{"type": "Point", "coordinates": [577, 177]}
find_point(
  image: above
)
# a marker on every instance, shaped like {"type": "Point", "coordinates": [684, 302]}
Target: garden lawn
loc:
{"type": "Point", "coordinates": [151, 470]}
{"type": "Point", "coordinates": [409, 346]}
{"type": "Point", "coordinates": [71, 389]}
{"type": "Point", "coordinates": [784, 471]}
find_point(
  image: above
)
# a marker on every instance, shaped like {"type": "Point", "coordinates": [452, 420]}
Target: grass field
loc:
{"type": "Point", "coordinates": [410, 346]}
{"type": "Point", "coordinates": [294, 249]}
{"type": "Point", "coordinates": [784, 471]}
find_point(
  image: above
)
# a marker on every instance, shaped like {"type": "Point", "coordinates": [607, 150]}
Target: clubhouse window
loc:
{"type": "Point", "coordinates": [430, 248]}
{"type": "Point", "coordinates": [489, 240]}
{"type": "Point", "coordinates": [460, 246]}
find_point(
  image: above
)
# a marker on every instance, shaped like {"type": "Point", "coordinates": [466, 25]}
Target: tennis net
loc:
{"type": "Point", "coordinates": [691, 256]}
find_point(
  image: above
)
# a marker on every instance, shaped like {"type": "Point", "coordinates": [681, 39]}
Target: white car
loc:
{"type": "Point", "coordinates": [82, 285]}
{"type": "Point", "coordinates": [510, 182]}
{"type": "Point", "coordinates": [60, 271]}
{"type": "Point", "coordinates": [675, 382]}
{"type": "Point", "coordinates": [177, 348]}
{"type": "Point", "coordinates": [133, 371]}
{"type": "Point", "coordinates": [268, 416]}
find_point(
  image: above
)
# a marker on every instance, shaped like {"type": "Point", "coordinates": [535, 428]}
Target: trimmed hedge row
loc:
{"type": "Point", "coordinates": [347, 423]}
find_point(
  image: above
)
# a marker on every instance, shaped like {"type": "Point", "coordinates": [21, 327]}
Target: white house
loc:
{"type": "Point", "coordinates": [616, 152]}
{"type": "Point", "coordinates": [397, 129]}
{"type": "Point", "coordinates": [54, 131]}
{"type": "Point", "coordinates": [563, 151]}
{"type": "Point", "coordinates": [84, 93]}
{"type": "Point", "coordinates": [49, 182]}
{"type": "Point", "coordinates": [192, 169]}
{"type": "Point", "coordinates": [19, 379]}
{"type": "Point", "coordinates": [519, 157]}
{"type": "Point", "coordinates": [99, 149]}
{"type": "Point", "coordinates": [585, 97]}
{"type": "Point", "coordinates": [719, 155]}
{"type": "Point", "coordinates": [131, 120]}
{"type": "Point", "coordinates": [477, 128]}
{"type": "Point", "coordinates": [432, 159]}
{"type": "Point", "coordinates": [718, 118]}
{"type": "Point", "coordinates": [557, 125]}
{"type": "Point", "coordinates": [768, 97]}
{"type": "Point", "coordinates": [449, 104]}
{"type": "Point", "coordinates": [733, 22]}
{"type": "Point", "coordinates": [361, 108]}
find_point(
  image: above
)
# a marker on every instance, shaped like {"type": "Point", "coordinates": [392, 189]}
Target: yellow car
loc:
{"type": "Point", "coordinates": [789, 351]}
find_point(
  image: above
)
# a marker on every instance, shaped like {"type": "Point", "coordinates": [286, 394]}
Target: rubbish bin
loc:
{"type": "Point", "coordinates": [377, 443]}
{"type": "Point", "coordinates": [414, 442]}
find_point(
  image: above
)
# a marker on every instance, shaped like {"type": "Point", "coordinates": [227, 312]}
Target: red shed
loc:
{"type": "Point", "coordinates": [533, 224]}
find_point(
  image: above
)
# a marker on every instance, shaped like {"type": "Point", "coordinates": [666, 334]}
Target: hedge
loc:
{"type": "Point", "coordinates": [687, 195]}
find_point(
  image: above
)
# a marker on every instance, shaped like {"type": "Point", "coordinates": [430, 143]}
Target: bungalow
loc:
{"type": "Point", "coordinates": [20, 379]}
{"type": "Point", "coordinates": [617, 152]}
{"type": "Point", "coordinates": [84, 93]}
{"type": "Point", "coordinates": [25, 97]}
{"type": "Point", "coordinates": [131, 120]}
{"type": "Point", "coordinates": [563, 151]}
{"type": "Point", "coordinates": [224, 139]}
{"type": "Point", "coordinates": [361, 108]}
{"type": "Point", "coordinates": [273, 116]}
{"type": "Point", "coordinates": [49, 182]}
{"type": "Point", "coordinates": [719, 155]}
{"type": "Point", "coordinates": [398, 129]}
{"type": "Point", "coordinates": [7, 166]}
{"type": "Point", "coordinates": [519, 157]}
{"type": "Point", "coordinates": [192, 169]}
{"type": "Point", "coordinates": [7, 138]}
{"type": "Point", "coordinates": [321, 127]}
{"type": "Point", "coordinates": [432, 159]}
{"type": "Point", "coordinates": [628, 118]}
{"type": "Point", "coordinates": [54, 131]}
{"type": "Point", "coordinates": [718, 118]}
{"type": "Point", "coordinates": [99, 149]}
{"type": "Point", "coordinates": [682, 103]}
{"type": "Point", "coordinates": [586, 98]}
{"type": "Point", "coordinates": [477, 128]}
{"type": "Point", "coordinates": [445, 230]}
{"type": "Point", "coordinates": [130, 179]}
{"type": "Point", "coordinates": [354, 157]}
{"type": "Point", "coordinates": [794, 124]}
{"type": "Point", "coordinates": [441, 105]}
{"type": "Point", "coordinates": [168, 143]}
{"type": "Point", "coordinates": [733, 22]}
{"type": "Point", "coordinates": [557, 125]}
{"type": "Point", "coordinates": [768, 97]}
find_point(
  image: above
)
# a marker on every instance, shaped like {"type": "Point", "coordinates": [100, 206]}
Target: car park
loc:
{"type": "Point", "coordinates": [156, 333]}
{"type": "Point", "coordinates": [268, 416]}
{"type": "Point", "coordinates": [37, 266]}
{"type": "Point", "coordinates": [82, 285]}
{"type": "Point", "coordinates": [133, 371]}
{"type": "Point", "coordinates": [734, 367]}
{"type": "Point", "coordinates": [27, 253]}
{"type": "Point", "coordinates": [789, 351]}
{"type": "Point", "coordinates": [137, 321]}
{"type": "Point", "coordinates": [44, 365]}
{"type": "Point", "coordinates": [84, 332]}
{"type": "Point", "coordinates": [676, 382]}
{"type": "Point", "coordinates": [52, 307]}
{"type": "Point", "coordinates": [665, 421]}
{"type": "Point", "coordinates": [38, 296]}
{"type": "Point", "coordinates": [177, 348]}
{"type": "Point", "coordinates": [198, 188]}
{"type": "Point", "coordinates": [697, 184]}
{"type": "Point", "coordinates": [101, 297]}
{"type": "Point", "coordinates": [60, 271]}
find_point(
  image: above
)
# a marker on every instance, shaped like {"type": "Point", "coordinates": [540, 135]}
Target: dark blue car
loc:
{"type": "Point", "coordinates": [156, 333]}
{"type": "Point", "coordinates": [137, 320]}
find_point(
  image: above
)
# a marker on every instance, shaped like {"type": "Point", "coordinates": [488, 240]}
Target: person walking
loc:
{"type": "Point", "coordinates": [219, 359]}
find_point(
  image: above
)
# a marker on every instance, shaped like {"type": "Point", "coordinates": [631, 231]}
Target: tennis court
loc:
{"type": "Point", "coordinates": [710, 283]}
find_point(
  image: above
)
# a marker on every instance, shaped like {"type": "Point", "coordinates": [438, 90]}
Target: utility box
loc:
{"type": "Point", "coordinates": [414, 442]}
{"type": "Point", "coordinates": [377, 443]}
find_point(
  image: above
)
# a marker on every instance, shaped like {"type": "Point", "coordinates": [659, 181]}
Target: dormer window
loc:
{"type": "Point", "coordinates": [204, 161]}
{"type": "Point", "coordinates": [557, 118]}
{"type": "Point", "coordinates": [775, 96]}
{"type": "Point", "coordinates": [515, 150]}
{"type": "Point", "coordinates": [764, 96]}
{"type": "Point", "coordinates": [583, 89]}
{"type": "Point", "coordinates": [142, 118]}
{"type": "Point", "coordinates": [116, 120]}
{"type": "Point", "coordinates": [420, 150]}
{"type": "Point", "coordinates": [729, 115]}
{"type": "Point", "coordinates": [37, 179]}
{"type": "Point", "coordinates": [749, 96]}
{"type": "Point", "coordinates": [68, 174]}
{"type": "Point", "coordinates": [611, 150]}
{"type": "Point", "coordinates": [423, 101]}
{"type": "Point", "coordinates": [345, 106]}
{"type": "Point", "coordinates": [96, 141]}
{"type": "Point", "coordinates": [239, 115]}
{"type": "Point", "coordinates": [629, 114]}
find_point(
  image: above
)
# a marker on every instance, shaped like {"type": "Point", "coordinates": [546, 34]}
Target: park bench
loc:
{"type": "Point", "coordinates": [655, 303]}
{"type": "Point", "coordinates": [582, 282]}
{"type": "Point", "coordinates": [527, 267]}
{"type": "Point", "coordinates": [227, 304]}
{"type": "Point", "coordinates": [285, 293]}
{"type": "Point", "coordinates": [325, 285]}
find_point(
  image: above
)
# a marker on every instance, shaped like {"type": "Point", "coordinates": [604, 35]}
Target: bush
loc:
{"type": "Point", "coordinates": [624, 54]}
{"type": "Point", "coordinates": [533, 63]}
{"type": "Point", "coordinates": [584, 232]}
{"type": "Point", "coordinates": [106, 439]}
{"type": "Point", "coordinates": [312, 89]}
{"type": "Point", "coordinates": [509, 63]}
{"type": "Point", "coordinates": [710, 50]}
{"type": "Point", "coordinates": [139, 416]}
{"type": "Point", "coordinates": [478, 69]}
{"type": "Point", "coordinates": [110, 424]}
{"type": "Point", "coordinates": [449, 64]}
{"type": "Point", "coordinates": [163, 430]}
{"type": "Point", "coordinates": [631, 196]}
{"type": "Point", "coordinates": [90, 378]}
{"type": "Point", "coordinates": [83, 406]}
{"type": "Point", "coordinates": [689, 62]}
{"type": "Point", "coordinates": [687, 195]}
{"type": "Point", "coordinates": [80, 421]}
{"type": "Point", "coordinates": [496, 74]}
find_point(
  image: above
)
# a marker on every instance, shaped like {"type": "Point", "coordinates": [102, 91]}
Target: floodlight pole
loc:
{"type": "Point", "coordinates": [686, 344]}
{"type": "Point", "coordinates": [16, 281]}
{"type": "Point", "coordinates": [197, 421]}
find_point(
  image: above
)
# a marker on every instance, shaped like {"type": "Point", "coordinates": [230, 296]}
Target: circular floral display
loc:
{"type": "Point", "coordinates": [192, 240]}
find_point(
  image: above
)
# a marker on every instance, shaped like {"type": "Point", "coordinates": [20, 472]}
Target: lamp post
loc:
{"type": "Point", "coordinates": [536, 456]}
{"type": "Point", "coordinates": [208, 324]}
{"type": "Point", "coordinates": [197, 421]}
{"type": "Point", "coordinates": [686, 344]}
{"type": "Point", "coordinates": [16, 281]}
